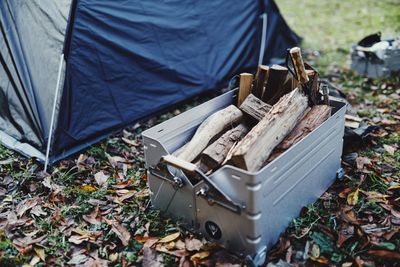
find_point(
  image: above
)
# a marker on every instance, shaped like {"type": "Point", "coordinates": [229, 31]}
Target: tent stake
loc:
{"type": "Point", "coordinates": [46, 162]}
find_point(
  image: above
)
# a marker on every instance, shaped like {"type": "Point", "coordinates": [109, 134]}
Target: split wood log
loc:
{"type": "Point", "coordinates": [208, 130]}
{"type": "Point", "coordinates": [298, 65]}
{"type": "Point", "coordinates": [255, 148]}
{"type": "Point", "coordinates": [314, 118]}
{"type": "Point", "coordinates": [245, 83]}
{"type": "Point", "coordinates": [215, 154]}
{"type": "Point", "coordinates": [254, 107]}
{"type": "Point", "coordinates": [279, 83]}
{"type": "Point", "coordinates": [260, 80]}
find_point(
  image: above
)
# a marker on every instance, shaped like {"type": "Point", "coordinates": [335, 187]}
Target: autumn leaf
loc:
{"type": "Point", "coordinates": [120, 230]}
{"type": "Point", "coordinates": [386, 254]}
{"type": "Point", "coordinates": [352, 198]}
{"type": "Point", "coordinates": [88, 188]}
{"type": "Point", "coordinates": [193, 244]}
{"type": "Point", "coordinates": [101, 178]}
{"type": "Point", "coordinates": [40, 253]}
{"type": "Point", "coordinates": [361, 161]}
{"type": "Point", "coordinates": [199, 256]}
{"type": "Point", "coordinates": [170, 237]}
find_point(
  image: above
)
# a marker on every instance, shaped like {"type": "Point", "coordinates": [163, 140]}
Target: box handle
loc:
{"type": "Point", "coordinates": [192, 169]}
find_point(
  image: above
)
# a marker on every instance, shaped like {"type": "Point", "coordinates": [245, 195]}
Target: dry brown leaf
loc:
{"type": "Point", "coordinates": [151, 258]}
{"type": "Point", "coordinates": [94, 217]}
{"type": "Point", "coordinates": [26, 205]}
{"type": "Point", "coordinates": [345, 192]}
{"type": "Point", "coordinates": [120, 230]}
{"type": "Point", "coordinates": [176, 253]}
{"type": "Point", "coordinates": [193, 244]}
{"type": "Point", "coordinates": [390, 149]}
{"type": "Point", "coordinates": [199, 256]}
{"type": "Point", "coordinates": [35, 260]}
{"type": "Point", "coordinates": [170, 237]}
{"type": "Point", "coordinates": [150, 242]}
{"type": "Point", "coordinates": [393, 255]}
{"type": "Point", "coordinates": [101, 178]}
{"type": "Point", "coordinates": [130, 142]}
{"type": "Point", "coordinates": [123, 185]}
{"type": "Point", "coordinates": [78, 239]}
{"type": "Point", "coordinates": [361, 161]}
{"type": "Point", "coordinates": [395, 213]}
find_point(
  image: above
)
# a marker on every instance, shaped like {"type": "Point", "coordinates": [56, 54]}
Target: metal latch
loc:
{"type": "Point", "coordinates": [214, 196]}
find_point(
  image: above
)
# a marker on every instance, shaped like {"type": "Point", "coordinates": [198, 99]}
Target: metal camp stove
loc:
{"type": "Point", "coordinates": [243, 211]}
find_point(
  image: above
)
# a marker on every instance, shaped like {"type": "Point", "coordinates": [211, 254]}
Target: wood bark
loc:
{"type": "Point", "coordinates": [298, 65]}
{"type": "Point", "coordinates": [255, 148]}
{"type": "Point", "coordinates": [215, 154]}
{"type": "Point", "coordinates": [260, 80]}
{"type": "Point", "coordinates": [209, 129]}
{"type": "Point", "coordinates": [254, 107]}
{"type": "Point", "coordinates": [279, 83]}
{"type": "Point", "coordinates": [314, 117]}
{"type": "Point", "coordinates": [245, 83]}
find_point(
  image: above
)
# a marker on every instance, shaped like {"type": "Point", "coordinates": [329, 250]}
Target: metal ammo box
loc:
{"type": "Point", "coordinates": [260, 205]}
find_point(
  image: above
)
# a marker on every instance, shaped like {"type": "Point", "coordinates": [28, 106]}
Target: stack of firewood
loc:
{"type": "Point", "coordinates": [275, 109]}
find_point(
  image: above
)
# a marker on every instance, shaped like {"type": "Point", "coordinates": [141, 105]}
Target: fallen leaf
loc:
{"type": "Point", "coordinates": [26, 205]}
{"type": "Point", "coordinates": [193, 244]}
{"type": "Point", "coordinates": [385, 254]}
{"type": "Point", "coordinates": [35, 260]}
{"type": "Point", "coordinates": [390, 149]}
{"type": "Point", "coordinates": [199, 256]}
{"type": "Point", "coordinates": [94, 217]}
{"type": "Point", "coordinates": [170, 237]}
{"type": "Point", "coordinates": [361, 161]}
{"type": "Point", "coordinates": [88, 188]}
{"type": "Point", "coordinates": [40, 253]}
{"type": "Point", "coordinates": [120, 230]}
{"type": "Point", "coordinates": [150, 242]}
{"type": "Point", "coordinates": [113, 257]}
{"type": "Point", "coordinates": [77, 259]}
{"type": "Point", "coordinates": [123, 185]}
{"type": "Point", "coordinates": [78, 239]}
{"type": "Point", "coordinates": [352, 198]}
{"type": "Point", "coordinates": [130, 142]}
{"type": "Point", "coordinates": [395, 213]}
{"type": "Point", "coordinates": [38, 211]}
{"type": "Point", "coordinates": [101, 178]}
{"type": "Point", "coordinates": [151, 258]}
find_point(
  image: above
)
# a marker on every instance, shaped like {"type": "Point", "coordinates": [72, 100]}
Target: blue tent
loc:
{"type": "Point", "coordinates": [73, 71]}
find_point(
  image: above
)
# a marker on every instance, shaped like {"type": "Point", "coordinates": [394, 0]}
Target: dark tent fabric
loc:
{"type": "Point", "coordinates": [126, 60]}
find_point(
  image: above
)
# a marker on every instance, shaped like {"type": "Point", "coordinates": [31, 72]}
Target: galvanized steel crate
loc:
{"type": "Point", "coordinates": [259, 205]}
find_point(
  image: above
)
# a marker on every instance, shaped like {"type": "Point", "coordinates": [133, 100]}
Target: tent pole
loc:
{"type": "Point", "coordinates": [263, 36]}
{"type": "Point", "coordinates": [46, 162]}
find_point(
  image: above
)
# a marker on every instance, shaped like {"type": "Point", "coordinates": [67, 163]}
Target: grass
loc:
{"type": "Point", "coordinates": [331, 27]}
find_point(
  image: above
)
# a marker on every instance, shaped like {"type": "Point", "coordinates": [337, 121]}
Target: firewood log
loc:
{"type": "Point", "coordinates": [245, 84]}
{"type": "Point", "coordinates": [260, 80]}
{"type": "Point", "coordinates": [208, 130]}
{"type": "Point", "coordinates": [314, 117]}
{"type": "Point", "coordinates": [255, 148]}
{"type": "Point", "coordinates": [254, 107]}
{"type": "Point", "coordinates": [279, 83]}
{"type": "Point", "coordinates": [215, 154]}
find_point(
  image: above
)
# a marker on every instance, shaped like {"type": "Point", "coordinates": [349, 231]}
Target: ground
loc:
{"type": "Point", "coordinates": [93, 208]}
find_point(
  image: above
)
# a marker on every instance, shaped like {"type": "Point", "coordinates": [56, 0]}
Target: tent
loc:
{"type": "Point", "coordinates": [74, 71]}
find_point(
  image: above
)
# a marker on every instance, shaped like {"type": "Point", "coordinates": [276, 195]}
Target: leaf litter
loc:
{"type": "Point", "coordinates": [94, 209]}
